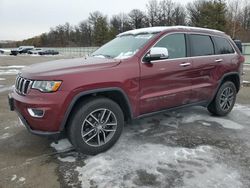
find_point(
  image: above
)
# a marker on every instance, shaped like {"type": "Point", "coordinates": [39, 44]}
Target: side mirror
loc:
{"type": "Point", "coordinates": [156, 53]}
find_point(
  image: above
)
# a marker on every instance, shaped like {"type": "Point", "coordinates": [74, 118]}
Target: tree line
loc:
{"type": "Point", "coordinates": [232, 17]}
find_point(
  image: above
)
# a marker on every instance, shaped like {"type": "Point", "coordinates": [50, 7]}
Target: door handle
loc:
{"type": "Point", "coordinates": [218, 60]}
{"type": "Point", "coordinates": [185, 64]}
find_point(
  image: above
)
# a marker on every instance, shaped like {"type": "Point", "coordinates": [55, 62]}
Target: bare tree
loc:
{"type": "Point", "coordinates": [166, 11]}
{"type": "Point", "coordinates": [233, 16]}
{"type": "Point", "coordinates": [179, 15]}
{"type": "Point", "coordinates": [137, 19]}
{"type": "Point", "coordinates": [153, 12]}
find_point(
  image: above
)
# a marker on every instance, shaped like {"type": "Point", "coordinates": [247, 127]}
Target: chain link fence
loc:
{"type": "Point", "coordinates": [246, 52]}
{"type": "Point", "coordinates": [74, 51]}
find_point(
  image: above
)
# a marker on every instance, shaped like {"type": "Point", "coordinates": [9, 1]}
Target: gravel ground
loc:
{"type": "Point", "coordinates": [183, 148]}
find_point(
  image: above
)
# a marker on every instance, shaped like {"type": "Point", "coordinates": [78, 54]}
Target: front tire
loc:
{"type": "Point", "coordinates": [96, 125]}
{"type": "Point", "coordinates": [224, 100]}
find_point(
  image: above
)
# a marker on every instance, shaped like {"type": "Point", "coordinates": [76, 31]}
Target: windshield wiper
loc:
{"type": "Point", "coordinates": [103, 55]}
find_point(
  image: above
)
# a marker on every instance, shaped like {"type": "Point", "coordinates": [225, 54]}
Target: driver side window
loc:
{"type": "Point", "coordinates": [176, 45]}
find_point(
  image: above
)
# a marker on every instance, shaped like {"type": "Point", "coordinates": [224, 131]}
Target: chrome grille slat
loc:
{"type": "Point", "coordinates": [22, 85]}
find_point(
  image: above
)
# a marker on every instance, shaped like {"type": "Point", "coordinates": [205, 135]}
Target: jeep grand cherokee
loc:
{"type": "Point", "coordinates": [138, 73]}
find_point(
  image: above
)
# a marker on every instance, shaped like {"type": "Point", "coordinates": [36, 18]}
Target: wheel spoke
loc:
{"type": "Point", "coordinates": [103, 114]}
{"type": "Point", "coordinates": [223, 95]}
{"type": "Point", "coordinates": [88, 133]}
{"type": "Point", "coordinates": [104, 136]}
{"type": "Point", "coordinates": [224, 105]}
{"type": "Point", "coordinates": [108, 117]}
{"type": "Point", "coordinates": [91, 124]}
{"type": "Point", "coordinates": [111, 124]}
{"type": "Point", "coordinates": [109, 130]}
{"type": "Point", "coordinates": [91, 137]}
{"type": "Point", "coordinates": [97, 121]}
{"type": "Point", "coordinates": [98, 139]}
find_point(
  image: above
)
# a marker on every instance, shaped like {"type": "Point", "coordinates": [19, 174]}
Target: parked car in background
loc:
{"type": "Point", "coordinates": [21, 50]}
{"type": "Point", "coordinates": [137, 74]}
{"type": "Point", "coordinates": [35, 51]}
{"type": "Point", "coordinates": [5, 51]}
{"type": "Point", "coordinates": [48, 52]}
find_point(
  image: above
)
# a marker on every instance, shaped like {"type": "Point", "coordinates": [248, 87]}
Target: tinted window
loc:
{"type": "Point", "coordinates": [175, 44]}
{"type": "Point", "coordinates": [201, 45]}
{"type": "Point", "coordinates": [223, 46]}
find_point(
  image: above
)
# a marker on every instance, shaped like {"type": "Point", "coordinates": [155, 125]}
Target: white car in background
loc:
{"type": "Point", "coordinates": [5, 51]}
{"type": "Point", "coordinates": [35, 51]}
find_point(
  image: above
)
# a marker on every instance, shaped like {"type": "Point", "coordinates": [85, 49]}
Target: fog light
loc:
{"type": "Point", "coordinates": [36, 112]}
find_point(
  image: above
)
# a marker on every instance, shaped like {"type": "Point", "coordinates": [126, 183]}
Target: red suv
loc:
{"type": "Point", "coordinates": [139, 73]}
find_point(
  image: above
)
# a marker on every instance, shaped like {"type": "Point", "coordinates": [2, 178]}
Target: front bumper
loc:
{"type": "Point", "coordinates": [46, 126]}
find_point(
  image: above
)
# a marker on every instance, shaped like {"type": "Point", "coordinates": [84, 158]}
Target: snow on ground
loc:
{"type": "Point", "coordinates": [62, 145]}
{"type": "Point", "coordinates": [229, 124]}
{"type": "Point", "coordinates": [12, 67]}
{"type": "Point", "coordinates": [69, 159]}
{"type": "Point", "coordinates": [10, 70]}
{"type": "Point", "coordinates": [155, 165]}
{"type": "Point", "coordinates": [145, 157]}
{"type": "Point", "coordinates": [3, 89]}
{"type": "Point", "coordinates": [5, 135]}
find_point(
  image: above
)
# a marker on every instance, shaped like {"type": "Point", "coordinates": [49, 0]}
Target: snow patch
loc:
{"type": "Point", "coordinates": [62, 145]}
{"type": "Point", "coordinates": [14, 177]}
{"type": "Point", "coordinates": [5, 128]}
{"type": "Point", "coordinates": [3, 89]}
{"type": "Point", "coordinates": [4, 136]}
{"type": "Point", "coordinates": [69, 159]}
{"type": "Point", "coordinates": [9, 72]}
{"type": "Point", "coordinates": [121, 166]}
{"type": "Point", "coordinates": [12, 67]}
{"type": "Point", "coordinates": [243, 109]}
{"type": "Point", "coordinates": [22, 179]}
{"type": "Point", "coordinates": [226, 123]}
{"type": "Point", "coordinates": [2, 79]}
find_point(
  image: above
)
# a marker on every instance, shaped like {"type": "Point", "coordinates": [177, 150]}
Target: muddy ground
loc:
{"type": "Point", "coordinates": [183, 148]}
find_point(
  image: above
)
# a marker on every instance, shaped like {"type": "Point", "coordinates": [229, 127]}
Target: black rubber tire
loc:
{"type": "Point", "coordinates": [214, 107]}
{"type": "Point", "coordinates": [80, 113]}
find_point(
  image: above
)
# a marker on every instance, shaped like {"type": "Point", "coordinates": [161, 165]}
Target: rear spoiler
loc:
{"type": "Point", "coordinates": [238, 44]}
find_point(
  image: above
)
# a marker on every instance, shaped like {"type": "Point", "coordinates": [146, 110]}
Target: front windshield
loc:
{"type": "Point", "coordinates": [123, 46]}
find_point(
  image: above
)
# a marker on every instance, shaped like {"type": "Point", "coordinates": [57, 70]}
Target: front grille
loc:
{"type": "Point", "coordinates": [22, 85]}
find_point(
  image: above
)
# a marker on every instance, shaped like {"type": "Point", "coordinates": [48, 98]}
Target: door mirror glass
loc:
{"type": "Point", "coordinates": [156, 53]}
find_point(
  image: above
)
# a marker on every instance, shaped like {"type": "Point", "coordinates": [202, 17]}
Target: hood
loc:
{"type": "Point", "coordinates": [67, 66]}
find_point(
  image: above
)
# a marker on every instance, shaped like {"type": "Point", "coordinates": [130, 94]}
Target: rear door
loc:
{"type": "Point", "coordinates": [205, 63]}
{"type": "Point", "coordinates": [166, 83]}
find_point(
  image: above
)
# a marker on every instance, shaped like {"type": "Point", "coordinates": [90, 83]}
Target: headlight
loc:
{"type": "Point", "coordinates": [46, 86]}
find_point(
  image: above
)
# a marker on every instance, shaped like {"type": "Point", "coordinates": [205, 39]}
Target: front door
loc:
{"type": "Point", "coordinates": [166, 83]}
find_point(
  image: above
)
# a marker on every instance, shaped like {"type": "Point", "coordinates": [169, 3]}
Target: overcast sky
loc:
{"type": "Point", "coordinates": [21, 19]}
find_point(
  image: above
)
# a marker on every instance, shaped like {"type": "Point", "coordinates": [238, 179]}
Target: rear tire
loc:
{"type": "Point", "coordinates": [96, 125]}
{"type": "Point", "coordinates": [224, 100]}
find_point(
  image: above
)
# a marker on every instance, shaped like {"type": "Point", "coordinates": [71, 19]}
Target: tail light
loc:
{"type": "Point", "coordinates": [242, 59]}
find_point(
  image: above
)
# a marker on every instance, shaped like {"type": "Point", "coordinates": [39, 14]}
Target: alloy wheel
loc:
{"type": "Point", "coordinates": [99, 127]}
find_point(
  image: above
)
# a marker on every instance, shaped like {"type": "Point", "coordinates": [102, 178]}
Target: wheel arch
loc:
{"type": "Point", "coordinates": [113, 93]}
{"type": "Point", "coordinates": [233, 77]}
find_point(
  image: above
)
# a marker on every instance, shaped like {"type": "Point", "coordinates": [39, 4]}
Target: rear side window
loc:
{"type": "Point", "coordinates": [176, 45]}
{"type": "Point", "coordinates": [223, 46]}
{"type": "Point", "coordinates": [201, 45]}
